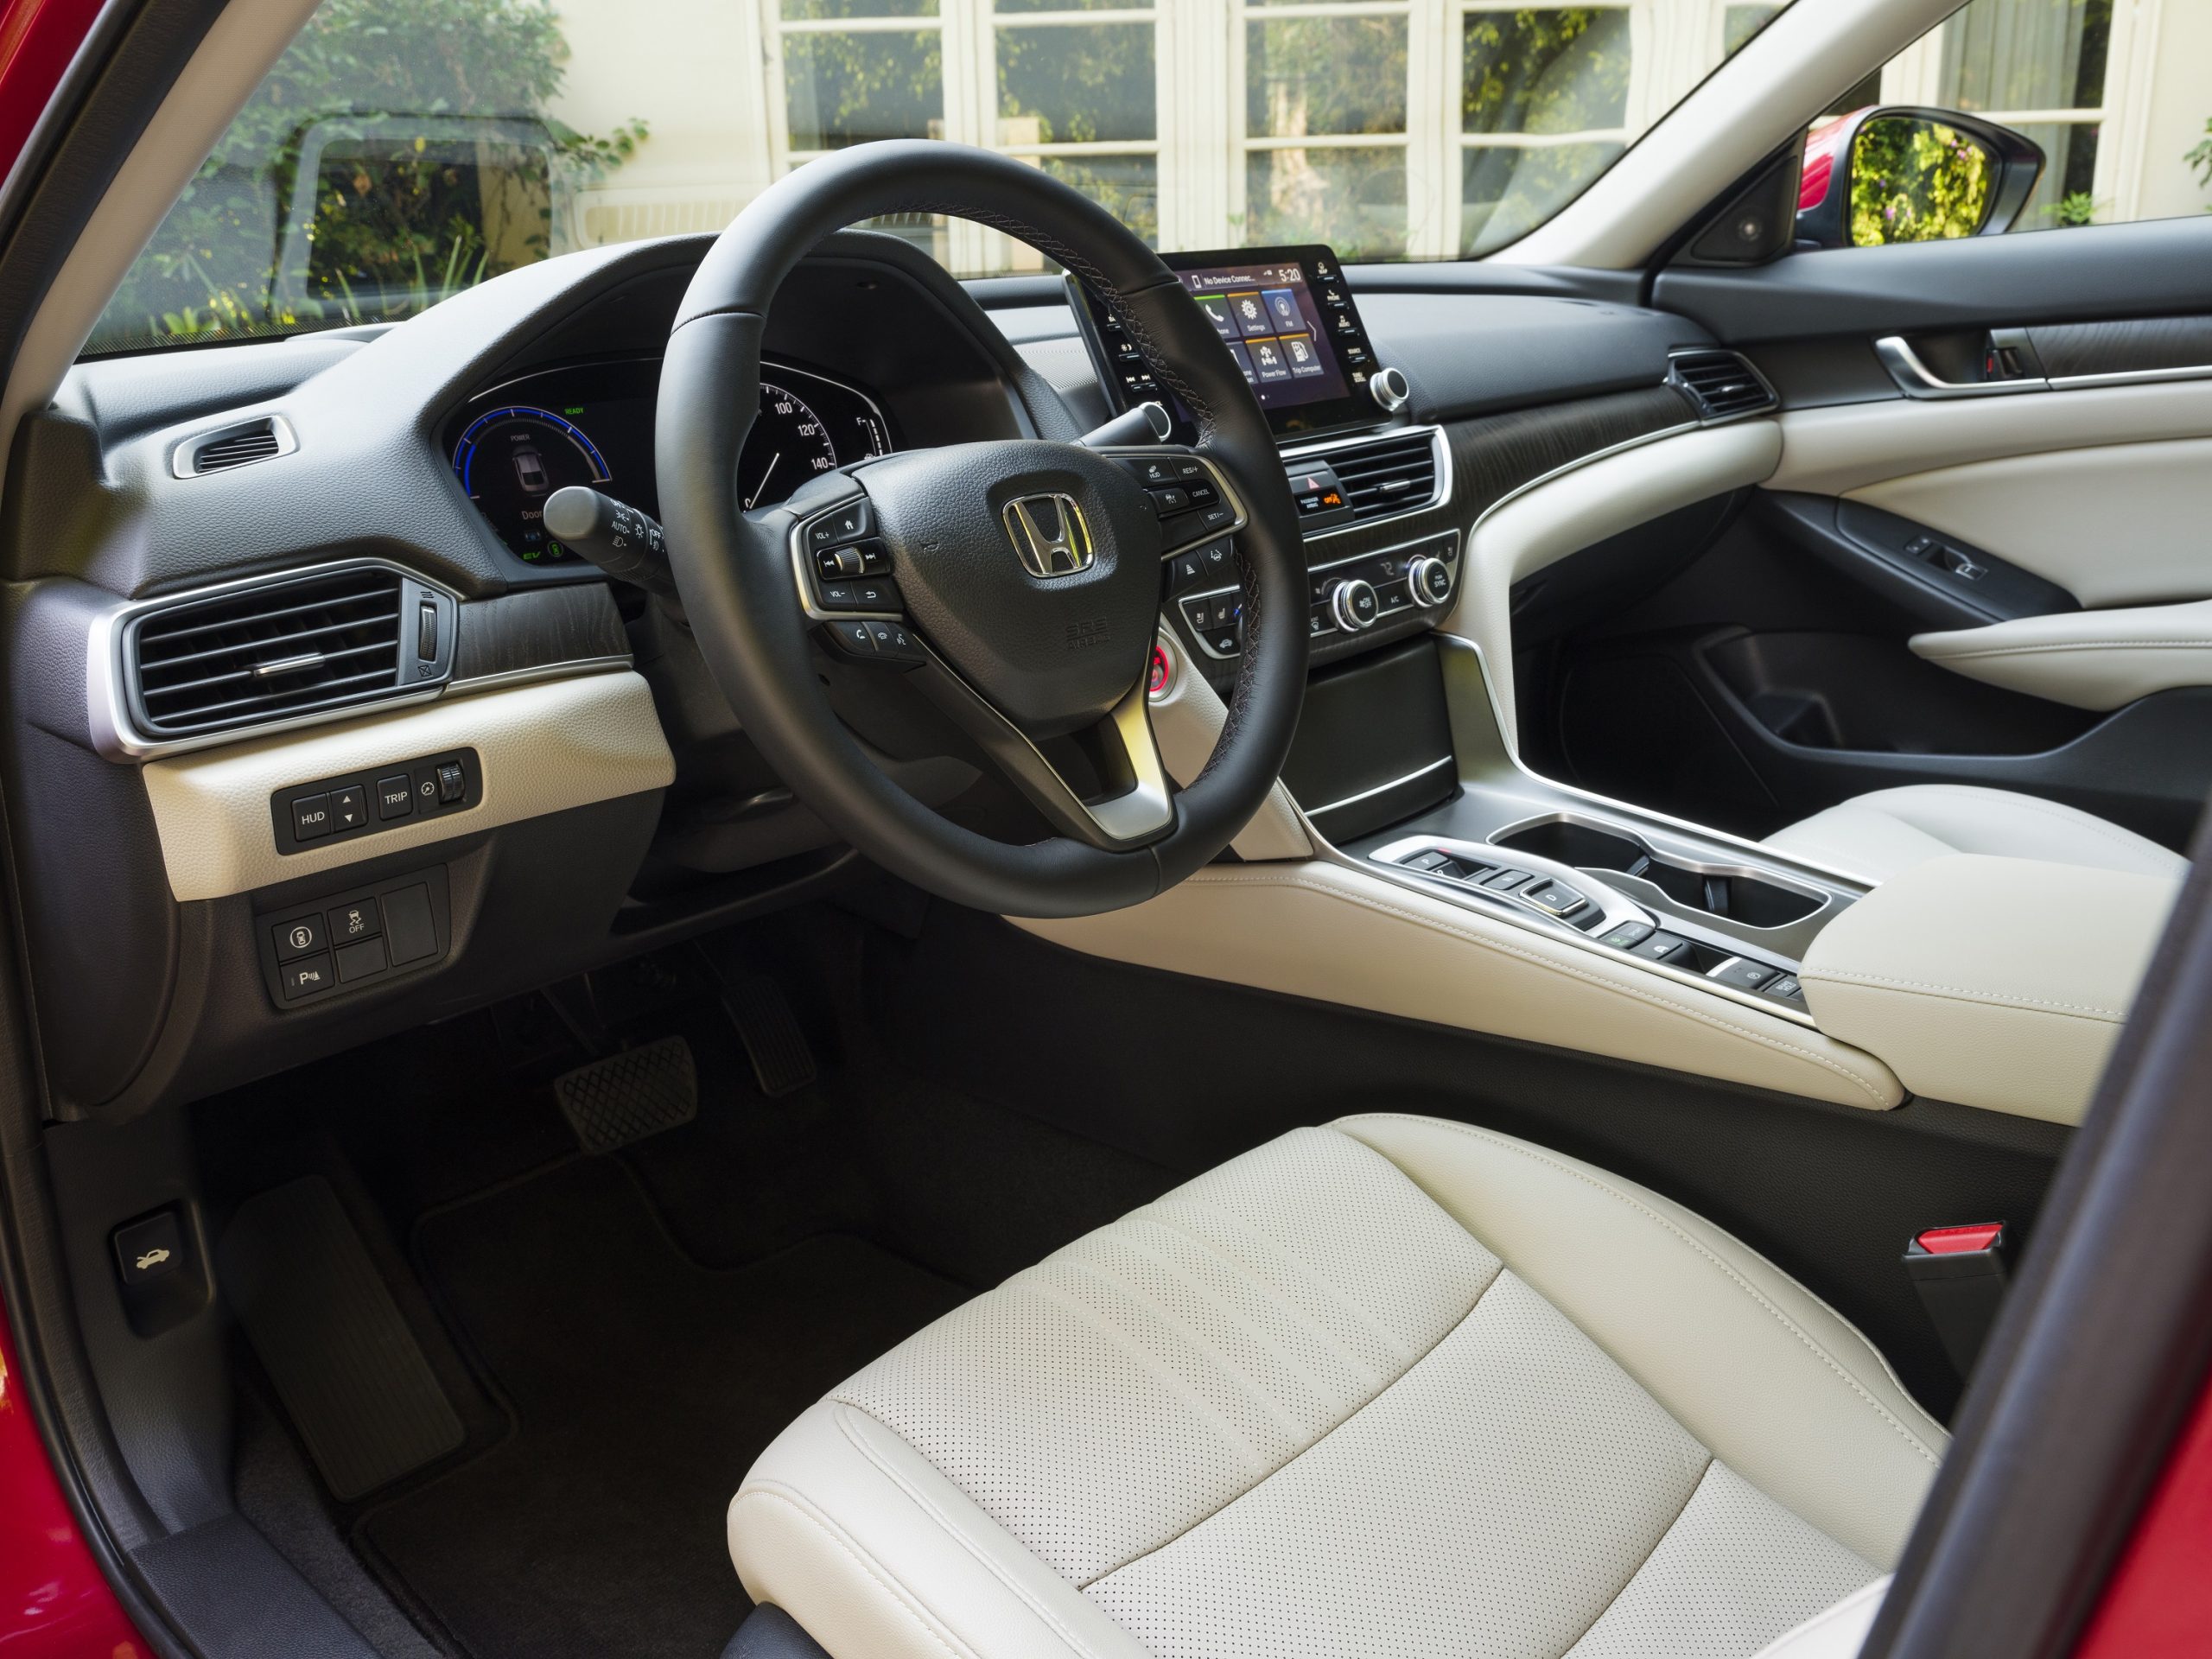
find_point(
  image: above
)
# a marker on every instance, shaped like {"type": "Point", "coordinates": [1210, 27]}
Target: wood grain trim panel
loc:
{"type": "Point", "coordinates": [2144, 345]}
{"type": "Point", "coordinates": [1496, 455]}
{"type": "Point", "coordinates": [539, 628]}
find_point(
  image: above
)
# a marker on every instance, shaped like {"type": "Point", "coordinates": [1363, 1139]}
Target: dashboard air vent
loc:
{"type": "Point", "coordinates": [269, 652]}
{"type": "Point", "coordinates": [1396, 475]}
{"type": "Point", "coordinates": [1721, 384]}
{"type": "Point", "coordinates": [234, 446]}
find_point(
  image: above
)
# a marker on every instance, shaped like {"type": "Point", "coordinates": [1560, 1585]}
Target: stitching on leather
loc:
{"type": "Point", "coordinates": [1520, 1149]}
{"type": "Point", "coordinates": [1663, 1003]}
{"type": "Point", "coordinates": [1947, 654]}
{"type": "Point", "coordinates": [1583, 1635]}
{"type": "Point", "coordinates": [1960, 993]}
{"type": "Point", "coordinates": [2088, 823]}
{"type": "Point", "coordinates": [898, 1591]}
{"type": "Point", "coordinates": [1362, 1373]}
{"type": "Point", "coordinates": [957, 1534]}
{"type": "Point", "coordinates": [1159, 1212]}
{"type": "Point", "coordinates": [1319, 1439]}
{"type": "Point", "coordinates": [1255, 1461]}
{"type": "Point", "coordinates": [1249, 1385]}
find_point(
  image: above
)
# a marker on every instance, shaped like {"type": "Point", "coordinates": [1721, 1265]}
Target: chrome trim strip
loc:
{"type": "Point", "coordinates": [1379, 788]}
{"type": "Point", "coordinates": [1440, 447]}
{"type": "Point", "coordinates": [568, 668]}
{"type": "Point", "coordinates": [1916, 379]}
{"type": "Point", "coordinates": [2129, 378]}
{"type": "Point", "coordinates": [187, 449]}
{"type": "Point", "coordinates": [1580, 461]}
{"type": "Point", "coordinates": [107, 701]}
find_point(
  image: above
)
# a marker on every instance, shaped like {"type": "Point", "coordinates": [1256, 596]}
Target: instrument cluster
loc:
{"type": "Point", "coordinates": [593, 423]}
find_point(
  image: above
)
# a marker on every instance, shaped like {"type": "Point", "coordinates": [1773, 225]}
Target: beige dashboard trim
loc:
{"type": "Point", "coordinates": [545, 747]}
{"type": "Point", "coordinates": [1318, 930]}
{"type": "Point", "coordinates": [1581, 507]}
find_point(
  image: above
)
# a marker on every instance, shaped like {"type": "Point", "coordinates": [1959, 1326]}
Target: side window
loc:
{"type": "Point", "coordinates": [2115, 96]}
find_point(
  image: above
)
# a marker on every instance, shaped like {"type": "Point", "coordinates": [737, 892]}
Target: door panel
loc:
{"type": "Point", "coordinates": [2122, 524]}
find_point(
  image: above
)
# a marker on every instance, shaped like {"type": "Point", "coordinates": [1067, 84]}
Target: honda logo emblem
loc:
{"type": "Point", "coordinates": [1049, 534]}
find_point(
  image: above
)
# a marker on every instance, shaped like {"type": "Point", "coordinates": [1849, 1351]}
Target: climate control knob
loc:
{"type": "Point", "coordinates": [1430, 579]}
{"type": "Point", "coordinates": [1353, 605]}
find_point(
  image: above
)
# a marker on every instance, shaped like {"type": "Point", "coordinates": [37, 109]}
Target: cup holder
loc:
{"type": "Point", "coordinates": [1740, 898]}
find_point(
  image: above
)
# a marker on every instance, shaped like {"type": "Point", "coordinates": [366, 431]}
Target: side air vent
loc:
{"type": "Point", "coordinates": [233, 446]}
{"type": "Point", "coordinates": [1393, 475]}
{"type": "Point", "coordinates": [1722, 384]}
{"type": "Point", "coordinates": [283, 649]}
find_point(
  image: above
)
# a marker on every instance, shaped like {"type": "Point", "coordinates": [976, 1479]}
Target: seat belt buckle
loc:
{"type": "Point", "coordinates": [1961, 1274]}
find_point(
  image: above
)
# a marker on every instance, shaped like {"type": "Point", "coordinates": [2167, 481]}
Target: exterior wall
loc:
{"type": "Point", "coordinates": [719, 121]}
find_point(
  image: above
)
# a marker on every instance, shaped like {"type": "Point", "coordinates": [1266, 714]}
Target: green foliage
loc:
{"type": "Point", "coordinates": [2075, 207]}
{"type": "Point", "coordinates": [1552, 71]}
{"type": "Point", "coordinates": [2199, 160]}
{"type": "Point", "coordinates": [1914, 181]}
{"type": "Point", "coordinates": [435, 166]}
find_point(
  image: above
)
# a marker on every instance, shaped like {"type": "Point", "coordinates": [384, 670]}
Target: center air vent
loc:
{"type": "Point", "coordinates": [233, 446]}
{"type": "Point", "coordinates": [285, 649]}
{"type": "Point", "coordinates": [1721, 384]}
{"type": "Point", "coordinates": [1390, 476]}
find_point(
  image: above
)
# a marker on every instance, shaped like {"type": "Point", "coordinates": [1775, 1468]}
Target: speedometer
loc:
{"type": "Point", "coordinates": [788, 445]}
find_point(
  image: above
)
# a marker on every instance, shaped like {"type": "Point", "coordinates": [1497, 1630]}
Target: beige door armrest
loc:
{"type": "Point", "coordinates": [2092, 659]}
{"type": "Point", "coordinates": [1998, 982]}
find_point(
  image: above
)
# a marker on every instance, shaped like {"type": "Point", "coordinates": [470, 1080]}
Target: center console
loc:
{"type": "Point", "coordinates": [1359, 470]}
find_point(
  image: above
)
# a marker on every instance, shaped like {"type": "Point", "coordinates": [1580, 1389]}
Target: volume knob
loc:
{"type": "Point", "coordinates": [1353, 605]}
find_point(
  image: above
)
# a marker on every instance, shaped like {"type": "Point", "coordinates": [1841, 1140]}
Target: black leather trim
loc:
{"type": "Point", "coordinates": [735, 576]}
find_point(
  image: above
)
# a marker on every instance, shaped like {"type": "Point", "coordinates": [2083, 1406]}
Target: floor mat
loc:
{"type": "Point", "coordinates": [642, 1387]}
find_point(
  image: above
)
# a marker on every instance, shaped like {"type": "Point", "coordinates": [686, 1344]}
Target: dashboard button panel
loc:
{"type": "Point", "coordinates": [308, 814]}
{"type": "Point", "coordinates": [341, 941]}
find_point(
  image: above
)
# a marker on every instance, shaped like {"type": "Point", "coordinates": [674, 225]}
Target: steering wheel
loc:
{"type": "Point", "coordinates": [1027, 575]}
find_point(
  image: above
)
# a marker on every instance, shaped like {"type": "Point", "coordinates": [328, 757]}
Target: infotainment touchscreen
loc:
{"type": "Point", "coordinates": [1288, 318]}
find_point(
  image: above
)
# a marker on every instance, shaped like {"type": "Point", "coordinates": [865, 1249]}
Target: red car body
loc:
{"type": "Point", "coordinates": [56, 1602]}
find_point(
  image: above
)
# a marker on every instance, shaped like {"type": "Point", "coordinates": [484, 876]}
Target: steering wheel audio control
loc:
{"type": "Point", "coordinates": [1430, 580]}
{"type": "Point", "coordinates": [1354, 605]}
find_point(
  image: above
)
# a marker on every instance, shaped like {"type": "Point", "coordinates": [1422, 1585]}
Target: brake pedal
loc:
{"type": "Point", "coordinates": [625, 1097]}
{"type": "Point", "coordinates": [783, 1061]}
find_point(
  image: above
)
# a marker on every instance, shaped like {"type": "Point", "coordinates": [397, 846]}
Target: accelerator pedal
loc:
{"type": "Point", "coordinates": [783, 1061]}
{"type": "Point", "coordinates": [627, 1096]}
{"type": "Point", "coordinates": [350, 1374]}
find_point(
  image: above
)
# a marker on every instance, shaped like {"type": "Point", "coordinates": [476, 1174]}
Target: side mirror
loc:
{"type": "Point", "coordinates": [1879, 176]}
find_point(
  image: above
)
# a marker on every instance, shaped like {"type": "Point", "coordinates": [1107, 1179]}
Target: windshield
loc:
{"type": "Point", "coordinates": [404, 150]}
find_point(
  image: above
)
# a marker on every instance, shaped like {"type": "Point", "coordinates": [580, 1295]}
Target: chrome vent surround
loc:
{"type": "Point", "coordinates": [1722, 384]}
{"type": "Point", "coordinates": [269, 652]}
{"type": "Point", "coordinates": [1384, 477]}
{"type": "Point", "coordinates": [227, 447]}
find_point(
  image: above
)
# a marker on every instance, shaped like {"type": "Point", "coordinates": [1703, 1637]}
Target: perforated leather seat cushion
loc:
{"type": "Point", "coordinates": [1875, 836]}
{"type": "Point", "coordinates": [1397, 1387]}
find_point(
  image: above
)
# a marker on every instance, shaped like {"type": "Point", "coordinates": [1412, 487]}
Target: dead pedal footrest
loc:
{"type": "Point", "coordinates": [625, 1097]}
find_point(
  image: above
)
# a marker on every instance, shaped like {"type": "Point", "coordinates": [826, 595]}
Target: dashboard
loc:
{"type": "Point", "coordinates": [592, 423]}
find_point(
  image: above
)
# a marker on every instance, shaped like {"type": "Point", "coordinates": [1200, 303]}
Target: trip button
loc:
{"type": "Point", "coordinates": [306, 977]}
{"type": "Point", "coordinates": [395, 796]}
{"type": "Point", "coordinates": [310, 818]}
{"type": "Point", "coordinates": [299, 938]}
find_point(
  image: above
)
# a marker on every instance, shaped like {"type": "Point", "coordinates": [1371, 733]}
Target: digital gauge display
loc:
{"type": "Point", "coordinates": [594, 424]}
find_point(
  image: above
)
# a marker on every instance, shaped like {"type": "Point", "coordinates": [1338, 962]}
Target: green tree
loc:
{"type": "Point", "coordinates": [2199, 160]}
{"type": "Point", "coordinates": [435, 166]}
{"type": "Point", "coordinates": [1914, 180]}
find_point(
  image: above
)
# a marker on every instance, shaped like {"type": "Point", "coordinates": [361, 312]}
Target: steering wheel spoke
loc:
{"type": "Point", "coordinates": [1016, 582]}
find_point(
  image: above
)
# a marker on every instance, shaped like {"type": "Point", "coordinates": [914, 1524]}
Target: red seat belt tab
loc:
{"type": "Point", "coordinates": [1961, 1273]}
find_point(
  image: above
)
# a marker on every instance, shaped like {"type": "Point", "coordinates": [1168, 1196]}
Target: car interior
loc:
{"type": "Point", "coordinates": [1230, 951]}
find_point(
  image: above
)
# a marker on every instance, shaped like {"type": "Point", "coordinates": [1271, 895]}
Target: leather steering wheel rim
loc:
{"type": "Point", "coordinates": [735, 571]}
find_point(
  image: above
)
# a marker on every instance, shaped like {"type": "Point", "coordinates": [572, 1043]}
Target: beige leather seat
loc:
{"type": "Point", "coordinates": [1873, 836]}
{"type": "Point", "coordinates": [1397, 1387]}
